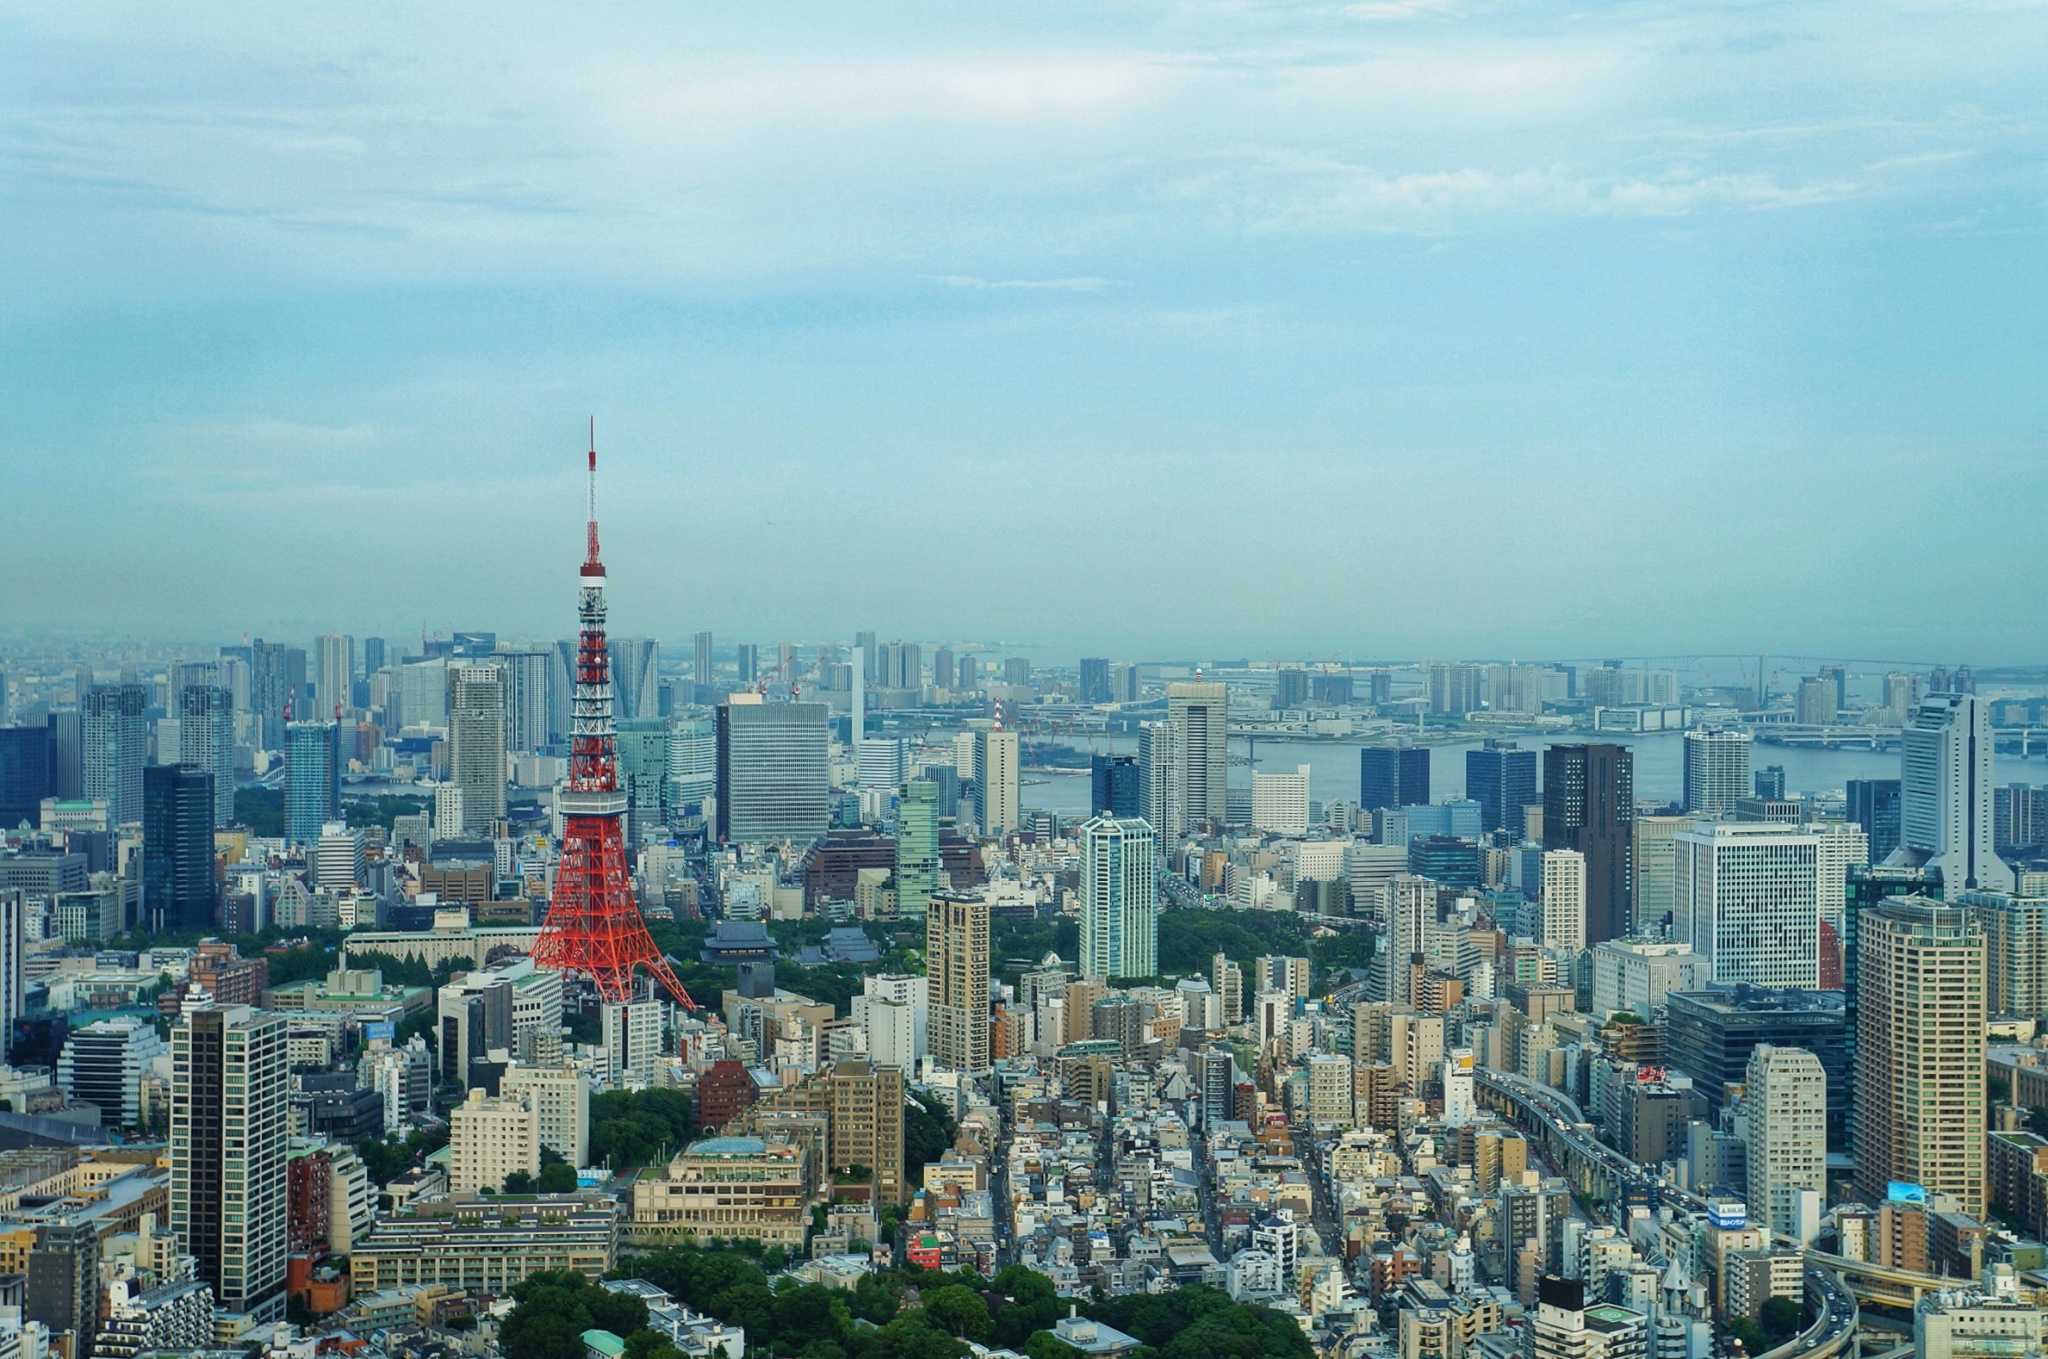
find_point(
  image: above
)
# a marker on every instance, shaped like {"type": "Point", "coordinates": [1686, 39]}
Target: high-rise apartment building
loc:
{"type": "Point", "coordinates": [334, 674]}
{"type": "Point", "coordinates": [2015, 951]}
{"type": "Point", "coordinates": [1199, 713]}
{"type": "Point", "coordinates": [1920, 1078]}
{"type": "Point", "coordinates": [177, 849]}
{"type": "Point", "coordinates": [1945, 814]}
{"type": "Point", "coordinates": [207, 741]}
{"type": "Point", "coordinates": [1815, 706]}
{"type": "Point", "coordinates": [774, 772]}
{"type": "Point", "coordinates": [1226, 979]}
{"type": "Point", "coordinates": [489, 1138]}
{"type": "Point", "coordinates": [866, 1125]}
{"type": "Point", "coordinates": [277, 680]}
{"type": "Point", "coordinates": [917, 848]}
{"type": "Point", "coordinates": [1094, 679]}
{"type": "Point", "coordinates": [1119, 898]}
{"type": "Point", "coordinates": [1589, 805]}
{"type": "Point", "coordinates": [956, 973]}
{"type": "Point", "coordinates": [229, 1132]}
{"type": "Point", "coordinates": [1393, 776]}
{"type": "Point", "coordinates": [995, 782]}
{"type": "Point", "coordinates": [1159, 776]}
{"type": "Point", "coordinates": [531, 719]}
{"type": "Point", "coordinates": [116, 747]}
{"type": "Point", "coordinates": [1716, 770]}
{"type": "Point", "coordinates": [943, 674]}
{"type": "Point", "coordinates": [1562, 922]}
{"type": "Point", "coordinates": [476, 742]}
{"type": "Point", "coordinates": [312, 779]}
{"type": "Point", "coordinates": [1454, 689]}
{"type": "Point", "coordinates": [1501, 777]}
{"type": "Point", "coordinates": [700, 667]}
{"type": "Point", "coordinates": [560, 1099]}
{"type": "Point", "coordinates": [1785, 1105]}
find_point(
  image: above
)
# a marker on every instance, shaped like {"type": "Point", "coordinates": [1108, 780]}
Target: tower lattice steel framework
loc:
{"type": "Point", "coordinates": [593, 925]}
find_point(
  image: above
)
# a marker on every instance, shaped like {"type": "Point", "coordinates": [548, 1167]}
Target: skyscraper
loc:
{"type": "Point", "coordinates": [1094, 679]}
{"type": "Point", "coordinates": [116, 746]}
{"type": "Point", "coordinates": [1920, 1080]}
{"type": "Point", "coordinates": [530, 709]}
{"type": "Point", "coordinates": [636, 676]}
{"type": "Point", "coordinates": [995, 782]}
{"type": "Point", "coordinates": [917, 848]}
{"type": "Point", "coordinates": [1589, 805]}
{"type": "Point", "coordinates": [1280, 801]}
{"type": "Point", "coordinates": [1199, 712]}
{"type": "Point", "coordinates": [1945, 814]}
{"type": "Point", "coordinates": [1786, 1133]}
{"type": "Point", "coordinates": [1160, 786]}
{"type": "Point", "coordinates": [700, 667]}
{"type": "Point", "coordinates": [1393, 776]}
{"type": "Point", "coordinates": [956, 972]}
{"type": "Point", "coordinates": [277, 678]}
{"type": "Point", "coordinates": [334, 673]}
{"type": "Point", "coordinates": [866, 1124]}
{"type": "Point", "coordinates": [1501, 777]}
{"type": "Point", "coordinates": [692, 768]}
{"type": "Point", "coordinates": [373, 655]}
{"type": "Point", "coordinates": [1115, 786]}
{"type": "Point", "coordinates": [1874, 805]}
{"type": "Point", "coordinates": [774, 772]}
{"type": "Point", "coordinates": [312, 779]}
{"type": "Point", "coordinates": [1563, 919]}
{"type": "Point", "coordinates": [229, 1130]}
{"type": "Point", "coordinates": [1119, 898]}
{"type": "Point", "coordinates": [207, 741]}
{"type": "Point", "coordinates": [177, 849]}
{"type": "Point", "coordinates": [1716, 770]}
{"type": "Point", "coordinates": [1747, 896]}
{"type": "Point", "coordinates": [942, 668]}
{"type": "Point", "coordinates": [476, 742]}
{"type": "Point", "coordinates": [24, 774]}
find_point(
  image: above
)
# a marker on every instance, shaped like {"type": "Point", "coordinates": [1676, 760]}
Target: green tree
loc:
{"type": "Point", "coordinates": [1782, 1318]}
{"type": "Point", "coordinates": [928, 1129]}
{"type": "Point", "coordinates": [957, 1310]}
{"type": "Point", "coordinates": [1046, 1345]}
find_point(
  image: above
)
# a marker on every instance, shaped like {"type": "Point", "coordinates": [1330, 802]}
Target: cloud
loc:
{"type": "Point", "coordinates": [1052, 285]}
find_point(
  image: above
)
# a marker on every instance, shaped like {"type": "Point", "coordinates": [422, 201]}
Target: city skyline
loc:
{"type": "Point", "coordinates": [1183, 311]}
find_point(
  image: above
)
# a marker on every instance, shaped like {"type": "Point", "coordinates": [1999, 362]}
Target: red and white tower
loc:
{"type": "Point", "coordinates": [593, 926]}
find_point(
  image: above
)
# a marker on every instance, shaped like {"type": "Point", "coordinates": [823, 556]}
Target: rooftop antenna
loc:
{"type": "Point", "coordinates": [590, 527]}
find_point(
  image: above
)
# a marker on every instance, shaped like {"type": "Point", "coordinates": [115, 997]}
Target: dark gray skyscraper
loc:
{"type": "Point", "coordinates": [1501, 777]}
{"type": "Point", "coordinates": [700, 663]}
{"type": "Point", "coordinates": [277, 675]}
{"type": "Point", "coordinates": [24, 774]}
{"type": "Point", "coordinates": [1874, 805]}
{"type": "Point", "coordinates": [1392, 776]}
{"type": "Point", "coordinates": [749, 657]}
{"type": "Point", "coordinates": [942, 667]}
{"type": "Point", "coordinates": [177, 848]}
{"type": "Point", "coordinates": [1589, 804]}
{"type": "Point", "coordinates": [116, 746]}
{"type": "Point", "coordinates": [1094, 679]}
{"type": "Point", "coordinates": [774, 772]}
{"type": "Point", "coordinates": [373, 655]}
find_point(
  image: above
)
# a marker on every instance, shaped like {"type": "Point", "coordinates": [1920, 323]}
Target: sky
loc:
{"type": "Point", "coordinates": [1394, 329]}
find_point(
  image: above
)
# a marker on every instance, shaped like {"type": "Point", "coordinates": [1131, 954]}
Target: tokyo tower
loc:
{"type": "Point", "coordinates": [593, 926]}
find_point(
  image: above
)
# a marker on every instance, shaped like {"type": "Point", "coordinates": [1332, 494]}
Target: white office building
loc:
{"type": "Point", "coordinates": [1747, 896]}
{"type": "Point", "coordinates": [1945, 817]}
{"type": "Point", "coordinates": [1280, 802]}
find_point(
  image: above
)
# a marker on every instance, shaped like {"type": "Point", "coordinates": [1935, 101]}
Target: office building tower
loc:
{"type": "Point", "coordinates": [1501, 777]}
{"type": "Point", "coordinates": [1769, 783]}
{"type": "Point", "coordinates": [207, 741]}
{"type": "Point", "coordinates": [995, 782]}
{"type": "Point", "coordinates": [1945, 816]}
{"type": "Point", "coordinates": [476, 742]}
{"type": "Point", "coordinates": [25, 774]}
{"type": "Point", "coordinates": [373, 655]}
{"type": "Point", "coordinates": [636, 676]}
{"type": "Point", "coordinates": [692, 769]}
{"type": "Point", "coordinates": [1873, 804]}
{"type": "Point", "coordinates": [1562, 921]}
{"type": "Point", "coordinates": [422, 694]}
{"type": "Point", "coordinates": [967, 674]}
{"type": "Point", "coordinates": [747, 658]}
{"type": "Point", "coordinates": [1747, 896]}
{"type": "Point", "coordinates": [116, 747]}
{"type": "Point", "coordinates": [1123, 683]}
{"type": "Point", "coordinates": [1785, 1103]}
{"type": "Point", "coordinates": [1411, 924]}
{"type": "Point", "coordinates": [1589, 805]}
{"type": "Point", "coordinates": [337, 859]}
{"type": "Point", "coordinates": [1119, 898]}
{"type": "Point", "coordinates": [277, 680]}
{"type": "Point", "coordinates": [67, 755]}
{"type": "Point", "coordinates": [1656, 849]}
{"type": "Point", "coordinates": [104, 1063]}
{"type": "Point", "coordinates": [774, 772]}
{"type": "Point", "coordinates": [917, 848]}
{"type": "Point", "coordinates": [881, 762]}
{"type": "Point", "coordinates": [1159, 778]}
{"type": "Point", "coordinates": [333, 673]}
{"type": "Point", "coordinates": [1017, 670]}
{"type": "Point", "coordinates": [312, 779]}
{"type": "Point", "coordinates": [1199, 713]}
{"type": "Point", "coordinates": [531, 720]}
{"type": "Point", "coordinates": [956, 973]}
{"type": "Point", "coordinates": [700, 668]}
{"type": "Point", "coordinates": [943, 674]}
{"type": "Point", "coordinates": [1115, 786]}
{"type": "Point", "coordinates": [177, 849]}
{"type": "Point", "coordinates": [1816, 703]}
{"type": "Point", "coordinates": [1393, 776]}
{"type": "Point", "coordinates": [866, 1124]}
{"type": "Point", "coordinates": [640, 747]}
{"type": "Point", "coordinates": [1280, 801]}
{"type": "Point", "coordinates": [870, 657]}
{"type": "Point", "coordinates": [1094, 679]}
{"type": "Point", "coordinates": [633, 1045]}
{"type": "Point", "coordinates": [1716, 770]}
{"type": "Point", "coordinates": [13, 977]}
{"type": "Point", "coordinates": [1454, 689]}
{"type": "Point", "coordinates": [229, 1132]}
{"type": "Point", "coordinates": [1920, 1078]}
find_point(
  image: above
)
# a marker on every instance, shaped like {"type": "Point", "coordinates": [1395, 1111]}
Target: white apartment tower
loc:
{"type": "Point", "coordinates": [1716, 771]}
{"type": "Point", "coordinates": [1562, 918]}
{"type": "Point", "coordinates": [1119, 898]}
{"type": "Point", "coordinates": [476, 743]}
{"type": "Point", "coordinates": [1785, 1104]}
